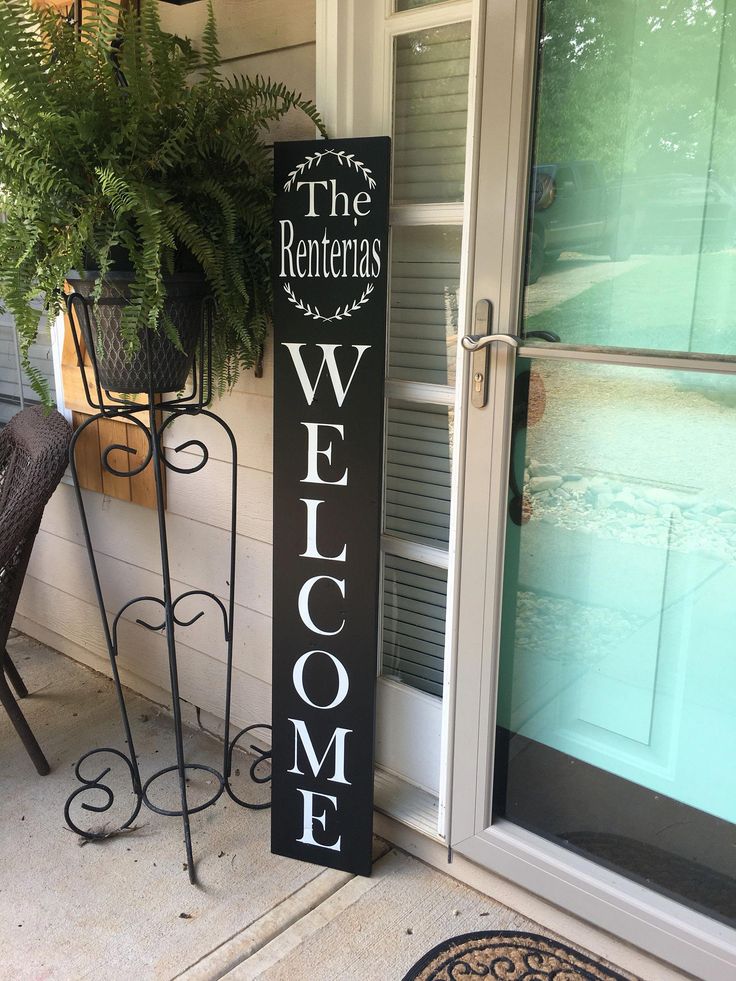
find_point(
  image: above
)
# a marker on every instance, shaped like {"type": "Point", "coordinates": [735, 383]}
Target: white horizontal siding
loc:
{"type": "Point", "coordinates": [295, 67]}
{"type": "Point", "coordinates": [143, 661]}
{"type": "Point", "coordinates": [59, 596]}
{"type": "Point", "coordinates": [198, 553]}
{"type": "Point", "coordinates": [246, 27]}
{"type": "Point", "coordinates": [121, 581]}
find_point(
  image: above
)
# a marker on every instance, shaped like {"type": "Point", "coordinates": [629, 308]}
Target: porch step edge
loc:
{"type": "Point", "coordinates": [224, 959]}
{"type": "Point", "coordinates": [315, 920]}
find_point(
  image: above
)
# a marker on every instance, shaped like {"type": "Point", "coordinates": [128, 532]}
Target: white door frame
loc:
{"type": "Point", "coordinates": [355, 40]}
{"type": "Point", "coordinates": [664, 928]}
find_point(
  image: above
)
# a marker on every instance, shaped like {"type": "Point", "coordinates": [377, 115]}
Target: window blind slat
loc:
{"type": "Point", "coordinates": [414, 107]}
{"type": "Point", "coordinates": [425, 283]}
{"type": "Point", "coordinates": [418, 594]}
{"type": "Point", "coordinates": [431, 504]}
{"type": "Point", "coordinates": [416, 528]}
{"type": "Point", "coordinates": [420, 192]}
{"type": "Point", "coordinates": [431, 99]}
{"type": "Point", "coordinates": [411, 573]}
{"type": "Point", "coordinates": [421, 639]}
{"type": "Point", "coordinates": [439, 85]}
{"type": "Point", "coordinates": [411, 667]}
{"type": "Point", "coordinates": [407, 348]}
{"type": "Point", "coordinates": [411, 4]}
{"type": "Point", "coordinates": [449, 43]}
{"type": "Point", "coordinates": [428, 478]}
{"type": "Point", "coordinates": [422, 139]}
{"type": "Point", "coordinates": [417, 422]}
{"type": "Point", "coordinates": [417, 463]}
{"type": "Point", "coordinates": [429, 71]}
{"type": "Point", "coordinates": [438, 309]}
{"type": "Point", "coordinates": [422, 122]}
{"type": "Point", "coordinates": [408, 486]}
{"type": "Point", "coordinates": [406, 364]}
{"type": "Point", "coordinates": [417, 438]}
{"type": "Point", "coordinates": [429, 610]}
{"type": "Point", "coordinates": [428, 516]}
{"type": "Point", "coordinates": [418, 278]}
{"type": "Point", "coordinates": [442, 155]}
{"type": "Point", "coordinates": [405, 352]}
{"type": "Point", "coordinates": [441, 175]}
{"type": "Point", "coordinates": [436, 302]}
{"type": "Point", "coordinates": [415, 596]}
{"type": "Point", "coordinates": [418, 468]}
{"type": "Point", "coordinates": [413, 664]}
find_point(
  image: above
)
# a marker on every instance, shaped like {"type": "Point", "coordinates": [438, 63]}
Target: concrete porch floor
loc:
{"type": "Point", "coordinates": [124, 909]}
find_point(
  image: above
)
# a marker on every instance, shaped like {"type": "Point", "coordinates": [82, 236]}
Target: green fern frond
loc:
{"type": "Point", "coordinates": [132, 140]}
{"type": "Point", "coordinates": [210, 47]}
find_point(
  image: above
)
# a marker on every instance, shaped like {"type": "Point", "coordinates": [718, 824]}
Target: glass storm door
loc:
{"type": "Point", "coordinates": [597, 635]}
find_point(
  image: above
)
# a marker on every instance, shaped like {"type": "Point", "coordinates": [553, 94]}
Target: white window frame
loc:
{"type": "Point", "coordinates": [345, 30]}
{"type": "Point", "coordinates": [57, 346]}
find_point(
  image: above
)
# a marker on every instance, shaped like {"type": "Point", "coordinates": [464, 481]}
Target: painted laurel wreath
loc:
{"type": "Point", "coordinates": [340, 314]}
{"type": "Point", "coordinates": [314, 160]}
{"type": "Point", "coordinates": [343, 158]}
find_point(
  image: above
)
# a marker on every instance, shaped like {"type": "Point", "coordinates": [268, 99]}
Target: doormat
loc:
{"type": "Point", "coordinates": [511, 956]}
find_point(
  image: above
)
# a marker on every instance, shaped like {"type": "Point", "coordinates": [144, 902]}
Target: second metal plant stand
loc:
{"type": "Point", "coordinates": [161, 413]}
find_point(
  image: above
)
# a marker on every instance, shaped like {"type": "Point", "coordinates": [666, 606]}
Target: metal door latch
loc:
{"type": "Point", "coordinates": [480, 344]}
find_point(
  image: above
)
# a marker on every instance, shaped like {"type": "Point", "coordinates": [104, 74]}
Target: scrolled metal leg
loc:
{"type": "Point", "coordinates": [261, 756]}
{"type": "Point", "coordinates": [95, 785]}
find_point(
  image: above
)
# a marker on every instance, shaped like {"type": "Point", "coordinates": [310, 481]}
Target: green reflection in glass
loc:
{"type": "Point", "coordinates": [633, 227]}
{"type": "Point", "coordinates": [619, 616]}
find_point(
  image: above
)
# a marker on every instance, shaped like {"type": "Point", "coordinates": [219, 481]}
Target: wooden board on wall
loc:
{"type": "Point", "coordinates": [140, 489]}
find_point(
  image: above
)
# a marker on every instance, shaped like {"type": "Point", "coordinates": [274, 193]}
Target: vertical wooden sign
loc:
{"type": "Point", "coordinates": [329, 278]}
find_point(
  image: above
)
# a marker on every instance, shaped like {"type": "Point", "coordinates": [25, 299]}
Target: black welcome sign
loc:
{"type": "Point", "coordinates": [329, 278]}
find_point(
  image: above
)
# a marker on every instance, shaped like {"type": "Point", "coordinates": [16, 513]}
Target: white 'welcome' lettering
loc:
{"type": "Point", "coordinates": [301, 733]}
{"type": "Point", "coordinates": [328, 358]}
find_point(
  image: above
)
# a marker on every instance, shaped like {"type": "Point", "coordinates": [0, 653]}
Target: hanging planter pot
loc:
{"type": "Point", "coordinates": [119, 370]}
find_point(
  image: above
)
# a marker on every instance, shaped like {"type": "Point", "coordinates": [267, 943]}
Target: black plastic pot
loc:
{"type": "Point", "coordinates": [117, 371]}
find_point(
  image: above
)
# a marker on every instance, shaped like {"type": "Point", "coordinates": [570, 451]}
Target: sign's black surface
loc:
{"type": "Point", "coordinates": [329, 279]}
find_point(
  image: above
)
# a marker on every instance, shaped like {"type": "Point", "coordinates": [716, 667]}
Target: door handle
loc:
{"type": "Point", "coordinates": [480, 346]}
{"type": "Point", "coordinates": [476, 342]}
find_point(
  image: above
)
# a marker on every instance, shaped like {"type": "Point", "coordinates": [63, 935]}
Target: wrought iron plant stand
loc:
{"type": "Point", "coordinates": [161, 411]}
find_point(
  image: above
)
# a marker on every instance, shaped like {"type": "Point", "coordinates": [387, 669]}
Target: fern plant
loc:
{"type": "Point", "coordinates": [129, 140]}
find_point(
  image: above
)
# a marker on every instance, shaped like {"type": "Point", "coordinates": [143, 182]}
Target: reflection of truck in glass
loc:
{"type": "Point", "coordinates": [572, 208]}
{"type": "Point", "coordinates": [572, 211]}
{"type": "Point", "coordinates": [677, 212]}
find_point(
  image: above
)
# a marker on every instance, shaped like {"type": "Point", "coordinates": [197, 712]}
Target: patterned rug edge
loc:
{"type": "Point", "coordinates": [466, 938]}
